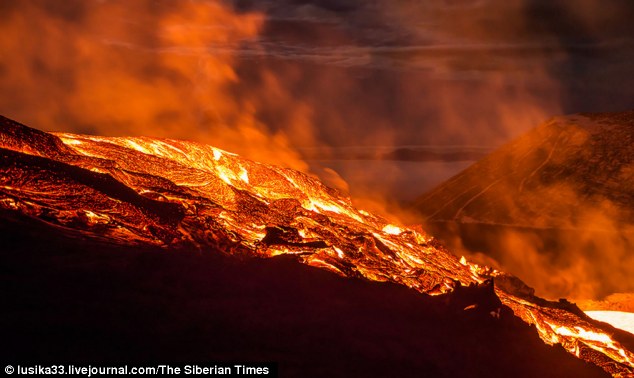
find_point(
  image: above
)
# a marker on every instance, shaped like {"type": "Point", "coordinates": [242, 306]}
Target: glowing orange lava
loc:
{"type": "Point", "coordinates": [180, 194]}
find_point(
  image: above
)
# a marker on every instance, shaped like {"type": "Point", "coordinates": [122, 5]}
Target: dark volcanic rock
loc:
{"type": "Point", "coordinates": [90, 302]}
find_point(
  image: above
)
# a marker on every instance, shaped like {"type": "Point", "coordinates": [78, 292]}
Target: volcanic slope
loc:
{"type": "Point", "coordinates": [551, 177]}
{"type": "Point", "coordinates": [555, 206]}
{"type": "Point", "coordinates": [180, 196]}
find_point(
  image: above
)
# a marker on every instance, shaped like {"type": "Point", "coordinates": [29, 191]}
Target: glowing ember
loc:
{"type": "Point", "coordinates": [391, 229]}
{"type": "Point", "coordinates": [180, 194]}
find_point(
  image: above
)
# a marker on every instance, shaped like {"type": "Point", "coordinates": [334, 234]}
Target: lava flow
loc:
{"type": "Point", "coordinates": [180, 194]}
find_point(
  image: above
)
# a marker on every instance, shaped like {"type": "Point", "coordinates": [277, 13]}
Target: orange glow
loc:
{"type": "Point", "coordinates": [139, 68]}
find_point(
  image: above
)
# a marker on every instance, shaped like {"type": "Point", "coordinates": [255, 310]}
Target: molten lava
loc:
{"type": "Point", "coordinates": [180, 194]}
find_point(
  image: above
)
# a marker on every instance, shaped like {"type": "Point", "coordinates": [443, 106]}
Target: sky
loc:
{"type": "Point", "coordinates": [271, 78]}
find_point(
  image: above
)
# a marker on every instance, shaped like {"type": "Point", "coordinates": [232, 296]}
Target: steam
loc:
{"type": "Point", "coordinates": [585, 265]}
{"type": "Point", "coordinates": [263, 77]}
{"type": "Point", "coordinates": [547, 210]}
{"type": "Point", "coordinates": [134, 68]}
